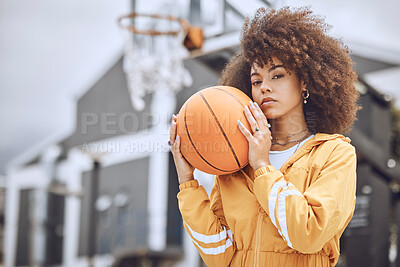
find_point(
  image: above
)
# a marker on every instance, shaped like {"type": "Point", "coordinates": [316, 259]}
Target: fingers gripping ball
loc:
{"type": "Point", "coordinates": [207, 127]}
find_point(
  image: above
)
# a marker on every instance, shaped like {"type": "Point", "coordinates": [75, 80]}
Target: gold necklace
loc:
{"type": "Point", "coordinates": [290, 135]}
{"type": "Point", "coordinates": [294, 141]}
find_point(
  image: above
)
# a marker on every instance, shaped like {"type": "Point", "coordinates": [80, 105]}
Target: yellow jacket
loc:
{"type": "Point", "coordinates": [291, 217]}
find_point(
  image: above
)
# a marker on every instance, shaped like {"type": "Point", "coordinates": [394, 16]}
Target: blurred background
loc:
{"type": "Point", "coordinates": [86, 176]}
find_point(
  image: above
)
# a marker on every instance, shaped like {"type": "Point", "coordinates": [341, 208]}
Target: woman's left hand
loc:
{"type": "Point", "coordinates": [259, 141]}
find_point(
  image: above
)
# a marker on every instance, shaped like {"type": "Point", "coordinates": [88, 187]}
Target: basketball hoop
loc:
{"type": "Point", "coordinates": [153, 55]}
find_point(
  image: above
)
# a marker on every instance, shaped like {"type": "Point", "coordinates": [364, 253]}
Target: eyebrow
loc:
{"type": "Point", "coordinates": [271, 69]}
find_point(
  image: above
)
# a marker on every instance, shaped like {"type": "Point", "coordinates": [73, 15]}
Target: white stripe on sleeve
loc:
{"type": "Point", "coordinates": [214, 251]}
{"type": "Point", "coordinates": [272, 199]}
{"type": "Point", "coordinates": [282, 213]}
{"type": "Point", "coordinates": [209, 239]}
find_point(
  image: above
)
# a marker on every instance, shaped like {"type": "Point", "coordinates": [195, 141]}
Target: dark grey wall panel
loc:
{"type": "Point", "coordinates": [174, 218]}
{"type": "Point", "coordinates": [24, 239]}
{"type": "Point", "coordinates": [366, 240]}
{"type": "Point", "coordinates": [119, 228]}
{"type": "Point", "coordinates": [364, 65]}
{"type": "Point", "coordinates": [363, 122]}
{"type": "Point", "coordinates": [106, 111]}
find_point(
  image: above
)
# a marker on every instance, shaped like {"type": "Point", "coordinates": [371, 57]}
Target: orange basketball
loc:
{"type": "Point", "coordinates": [207, 126]}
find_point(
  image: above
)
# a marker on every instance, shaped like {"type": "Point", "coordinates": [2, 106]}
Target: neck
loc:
{"type": "Point", "coordinates": [287, 129]}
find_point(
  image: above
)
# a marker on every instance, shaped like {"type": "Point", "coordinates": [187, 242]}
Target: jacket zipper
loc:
{"type": "Point", "coordinates": [258, 238]}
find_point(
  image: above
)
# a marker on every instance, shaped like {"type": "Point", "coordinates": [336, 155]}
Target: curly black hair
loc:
{"type": "Point", "coordinates": [300, 40]}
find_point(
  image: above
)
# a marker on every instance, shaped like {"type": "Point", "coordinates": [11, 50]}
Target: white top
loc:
{"type": "Point", "coordinates": [278, 158]}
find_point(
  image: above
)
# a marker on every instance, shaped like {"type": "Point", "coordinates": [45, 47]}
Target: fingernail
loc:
{"type": "Point", "coordinates": [256, 104]}
{"type": "Point", "coordinates": [269, 125]}
{"type": "Point", "coordinates": [240, 123]}
{"type": "Point", "coordinates": [177, 137]}
{"type": "Point", "coordinates": [251, 103]}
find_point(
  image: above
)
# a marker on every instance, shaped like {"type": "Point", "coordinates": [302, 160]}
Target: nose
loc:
{"type": "Point", "coordinates": [265, 88]}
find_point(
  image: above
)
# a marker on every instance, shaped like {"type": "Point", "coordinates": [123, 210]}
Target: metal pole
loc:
{"type": "Point", "coordinates": [133, 5]}
{"type": "Point", "coordinates": [195, 12]}
{"type": "Point", "coordinates": [93, 215]}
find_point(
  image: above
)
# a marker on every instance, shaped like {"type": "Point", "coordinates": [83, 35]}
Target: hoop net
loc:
{"type": "Point", "coordinates": [153, 55]}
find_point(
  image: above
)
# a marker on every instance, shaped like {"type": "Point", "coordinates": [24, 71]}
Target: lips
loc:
{"type": "Point", "coordinates": [268, 100]}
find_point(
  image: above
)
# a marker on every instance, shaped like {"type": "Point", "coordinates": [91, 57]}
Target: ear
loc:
{"type": "Point", "coordinates": [303, 86]}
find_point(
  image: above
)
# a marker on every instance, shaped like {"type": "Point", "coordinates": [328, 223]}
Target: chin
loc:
{"type": "Point", "coordinates": [271, 115]}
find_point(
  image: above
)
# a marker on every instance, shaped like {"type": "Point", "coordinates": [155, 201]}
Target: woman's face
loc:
{"type": "Point", "coordinates": [277, 92]}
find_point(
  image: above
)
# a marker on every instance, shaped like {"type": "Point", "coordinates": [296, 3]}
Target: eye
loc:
{"type": "Point", "coordinates": [254, 83]}
{"type": "Point", "coordinates": [278, 76]}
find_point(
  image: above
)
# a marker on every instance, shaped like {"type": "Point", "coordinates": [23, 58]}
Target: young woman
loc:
{"type": "Point", "coordinates": [291, 204]}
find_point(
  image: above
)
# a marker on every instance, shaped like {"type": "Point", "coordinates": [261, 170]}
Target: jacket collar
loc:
{"type": "Point", "coordinates": [318, 139]}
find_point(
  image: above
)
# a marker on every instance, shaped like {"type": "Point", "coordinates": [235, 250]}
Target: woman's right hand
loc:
{"type": "Point", "coordinates": [183, 168]}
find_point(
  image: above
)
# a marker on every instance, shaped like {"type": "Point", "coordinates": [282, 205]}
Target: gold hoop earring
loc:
{"type": "Point", "coordinates": [305, 96]}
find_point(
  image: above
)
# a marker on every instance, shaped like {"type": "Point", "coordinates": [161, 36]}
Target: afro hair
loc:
{"type": "Point", "coordinates": [299, 39]}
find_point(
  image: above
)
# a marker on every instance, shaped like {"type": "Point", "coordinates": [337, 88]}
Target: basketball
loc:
{"type": "Point", "coordinates": [207, 126]}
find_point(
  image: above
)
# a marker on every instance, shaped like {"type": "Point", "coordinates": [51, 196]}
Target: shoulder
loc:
{"type": "Point", "coordinates": [332, 142]}
{"type": "Point", "coordinates": [335, 147]}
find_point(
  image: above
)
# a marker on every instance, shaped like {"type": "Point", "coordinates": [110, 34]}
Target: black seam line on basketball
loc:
{"type": "Point", "coordinates": [191, 142]}
{"type": "Point", "coordinates": [217, 88]}
{"type": "Point", "coordinates": [220, 128]}
{"type": "Point", "coordinates": [221, 89]}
